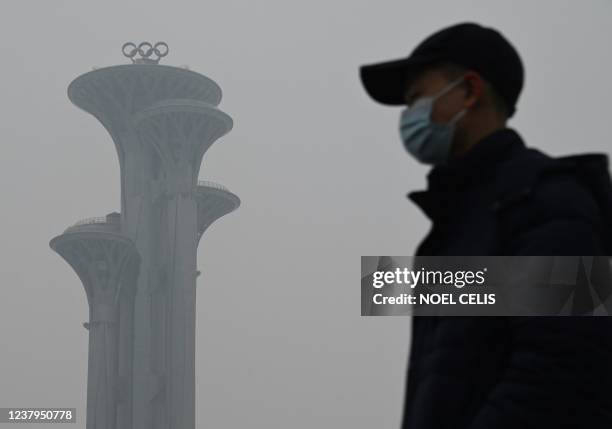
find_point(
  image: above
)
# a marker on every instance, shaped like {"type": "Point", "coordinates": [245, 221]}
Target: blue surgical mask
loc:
{"type": "Point", "coordinates": [429, 142]}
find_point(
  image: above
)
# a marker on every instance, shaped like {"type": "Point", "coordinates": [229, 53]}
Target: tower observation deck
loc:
{"type": "Point", "coordinates": [138, 267]}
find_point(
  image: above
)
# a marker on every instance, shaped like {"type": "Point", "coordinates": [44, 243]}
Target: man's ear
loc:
{"type": "Point", "coordinates": [475, 88]}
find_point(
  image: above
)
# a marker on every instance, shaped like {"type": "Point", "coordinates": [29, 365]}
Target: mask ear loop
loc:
{"type": "Point", "coordinates": [431, 99]}
{"type": "Point", "coordinates": [458, 116]}
{"type": "Point", "coordinates": [450, 86]}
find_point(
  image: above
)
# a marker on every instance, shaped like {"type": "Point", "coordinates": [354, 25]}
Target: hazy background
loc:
{"type": "Point", "coordinates": [319, 168]}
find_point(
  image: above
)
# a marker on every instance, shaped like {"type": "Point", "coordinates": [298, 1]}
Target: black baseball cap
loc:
{"type": "Point", "coordinates": [481, 49]}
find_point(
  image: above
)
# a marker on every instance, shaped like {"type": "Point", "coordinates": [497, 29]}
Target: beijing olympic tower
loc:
{"type": "Point", "coordinates": [138, 267]}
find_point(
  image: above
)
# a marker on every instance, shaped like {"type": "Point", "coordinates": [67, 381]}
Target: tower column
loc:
{"type": "Point", "coordinates": [107, 265]}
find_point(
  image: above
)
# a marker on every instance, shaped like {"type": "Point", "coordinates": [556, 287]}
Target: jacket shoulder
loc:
{"type": "Point", "coordinates": [555, 212]}
{"type": "Point", "coordinates": [560, 193]}
{"type": "Point", "coordinates": [549, 187]}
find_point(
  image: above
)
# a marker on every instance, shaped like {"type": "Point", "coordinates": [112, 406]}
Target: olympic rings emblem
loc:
{"type": "Point", "coordinates": [146, 51]}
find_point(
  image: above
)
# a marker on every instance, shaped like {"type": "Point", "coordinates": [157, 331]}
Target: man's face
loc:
{"type": "Point", "coordinates": [430, 83]}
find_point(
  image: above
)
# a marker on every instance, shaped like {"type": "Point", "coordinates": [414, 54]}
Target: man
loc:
{"type": "Point", "coordinates": [490, 194]}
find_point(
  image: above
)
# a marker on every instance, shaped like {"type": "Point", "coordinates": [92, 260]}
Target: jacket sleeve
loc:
{"type": "Point", "coordinates": [559, 369]}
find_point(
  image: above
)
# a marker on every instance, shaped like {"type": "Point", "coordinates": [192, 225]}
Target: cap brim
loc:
{"type": "Point", "coordinates": [385, 82]}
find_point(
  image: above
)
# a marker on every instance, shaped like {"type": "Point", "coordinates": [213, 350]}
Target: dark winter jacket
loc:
{"type": "Point", "coordinates": [503, 198]}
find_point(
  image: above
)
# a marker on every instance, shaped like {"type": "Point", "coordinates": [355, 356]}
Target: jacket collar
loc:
{"type": "Point", "coordinates": [475, 165]}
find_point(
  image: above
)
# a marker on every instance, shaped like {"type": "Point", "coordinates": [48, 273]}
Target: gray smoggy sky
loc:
{"type": "Point", "coordinates": [319, 168]}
